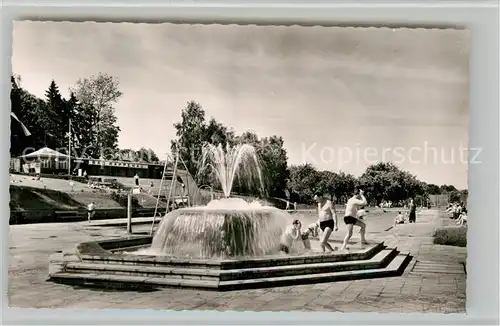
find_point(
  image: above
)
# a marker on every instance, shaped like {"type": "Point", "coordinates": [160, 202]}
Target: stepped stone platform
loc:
{"type": "Point", "coordinates": [110, 263]}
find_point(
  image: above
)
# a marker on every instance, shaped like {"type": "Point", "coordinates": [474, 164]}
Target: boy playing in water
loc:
{"type": "Point", "coordinates": [311, 230]}
{"type": "Point", "coordinates": [291, 234]}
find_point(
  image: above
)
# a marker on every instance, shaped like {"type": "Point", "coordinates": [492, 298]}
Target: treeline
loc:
{"type": "Point", "coordinates": [88, 112]}
{"type": "Point", "coordinates": [382, 181]}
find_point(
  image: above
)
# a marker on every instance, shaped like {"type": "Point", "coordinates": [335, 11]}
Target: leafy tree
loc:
{"type": "Point", "coordinates": [302, 182]}
{"type": "Point", "coordinates": [216, 133]}
{"type": "Point", "coordinates": [143, 155]}
{"type": "Point", "coordinates": [433, 189]}
{"type": "Point", "coordinates": [385, 181]}
{"type": "Point", "coordinates": [448, 189]}
{"type": "Point", "coordinates": [35, 115]}
{"type": "Point", "coordinates": [190, 132]}
{"type": "Point", "coordinates": [97, 95]}
{"type": "Point", "coordinates": [345, 185]}
{"type": "Point", "coordinates": [327, 184]}
{"type": "Point", "coordinates": [82, 121]}
{"type": "Point", "coordinates": [274, 164]}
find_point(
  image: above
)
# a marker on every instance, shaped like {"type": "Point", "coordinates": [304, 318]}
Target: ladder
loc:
{"type": "Point", "coordinates": [171, 191]}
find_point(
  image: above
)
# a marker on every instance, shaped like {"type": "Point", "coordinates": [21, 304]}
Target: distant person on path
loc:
{"type": "Point", "coordinates": [350, 217]}
{"type": "Point", "coordinates": [151, 186]}
{"type": "Point", "coordinates": [400, 219]}
{"type": "Point", "coordinates": [327, 218]}
{"type": "Point", "coordinates": [412, 212]}
{"type": "Point", "coordinates": [311, 230]}
{"type": "Point", "coordinates": [295, 206]}
{"type": "Point", "coordinates": [91, 210]}
{"type": "Point", "coordinates": [290, 234]}
{"type": "Point", "coordinates": [287, 206]}
{"type": "Point", "coordinates": [136, 180]}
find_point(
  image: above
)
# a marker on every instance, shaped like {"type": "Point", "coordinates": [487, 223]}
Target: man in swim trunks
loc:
{"type": "Point", "coordinates": [327, 218]}
{"type": "Point", "coordinates": [350, 217]}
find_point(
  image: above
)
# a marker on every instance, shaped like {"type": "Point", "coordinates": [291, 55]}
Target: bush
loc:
{"type": "Point", "coordinates": [122, 199]}
{"type": "Point", "coordinates": [451, 236]}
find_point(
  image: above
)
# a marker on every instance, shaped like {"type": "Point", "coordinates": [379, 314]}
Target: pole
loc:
{"type": "Point", "coordinates": [69, 149]}
{"type": "Point", "coordinates": [187, 172]}
{"type": "Point", "coordinates": [129, 213]}
{"type": "Point", "coordinates": [174, 180]}
{"type": "Point", "coordinates": [159, 194]}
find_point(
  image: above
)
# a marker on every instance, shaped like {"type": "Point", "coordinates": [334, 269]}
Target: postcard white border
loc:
{"type": "Point", "coordinates": [480, 17]}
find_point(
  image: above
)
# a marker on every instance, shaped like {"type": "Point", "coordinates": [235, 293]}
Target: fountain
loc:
{"type": "Point", "coordinates": [229, 227]}
{"type": "Point", "coordinates": [228, 244]}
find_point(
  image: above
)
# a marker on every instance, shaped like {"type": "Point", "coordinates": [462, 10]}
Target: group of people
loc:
{"type": "Point", "coordinates": [410, 215]}
{"type": "Point", "coordinates": [328, 222]}
{"type": "Point", "coordinates": [458, 211]}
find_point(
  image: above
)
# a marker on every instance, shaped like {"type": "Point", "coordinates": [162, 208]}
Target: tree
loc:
{"type": "Point", "coordinates": [433, 189]}
{"type": "Point", "coordinates": [143, 155]}
{"type": "Point", "coordinates": [302, 182]}
{"type": "Point", "coordinates": [385, 181]}
{"type": "Point", "coordinates": [97, 95]}
{"type": "Point", "coordinates": [274, 165]}
{"type": "Point", "coordinates": [58, 115]}
{"type": "Point", "coordinates": [216, 133]}
{"type": "Point", "coordinates": [35, 115]}
{"type": "Point", "coordinates": [82, 121]}
{"type": "Point", "coordinates": [345, 185]}
{"type": "Point", "coordinates": [448, 188]}
{"type": "Point", "coordinates": [190, 132]}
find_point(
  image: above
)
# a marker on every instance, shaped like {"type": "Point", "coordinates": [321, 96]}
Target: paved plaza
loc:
{"type": "Point", "coordinates": [435, 281]}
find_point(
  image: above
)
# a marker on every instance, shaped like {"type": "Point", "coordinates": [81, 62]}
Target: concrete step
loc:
{"type": "Point", "coordinates": [380, 260]}
{"type": "Point", "coordinates": [228, 264]}
{"type": "Point", "coordinates": [395, 268]}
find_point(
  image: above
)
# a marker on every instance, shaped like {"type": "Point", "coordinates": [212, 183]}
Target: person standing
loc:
{"type": "Point", "coordinates": [151, 186]}
{"type": "Point", "coordinates": [350, 217]}
{"type": "Point", "coordinates": [327, 218]}
{"type": "Point", "coordinates": [90, 211]}
{"type": "Point", "coordinates": [412, 216]}
{"type": "Point", "coordinates": [136, 180]}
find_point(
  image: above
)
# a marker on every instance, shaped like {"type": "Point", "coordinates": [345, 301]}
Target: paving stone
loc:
{"type": "Point", "coordinates": [432, 292]}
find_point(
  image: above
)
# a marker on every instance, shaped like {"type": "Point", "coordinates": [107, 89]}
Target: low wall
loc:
{"type": "Point", "coordinates": [76, 215]}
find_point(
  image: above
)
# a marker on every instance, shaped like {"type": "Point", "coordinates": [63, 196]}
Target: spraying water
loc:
{"type": "Point", "coordinates": [228, 164]}
{"type": "Point", "coordinates": [229, 227]}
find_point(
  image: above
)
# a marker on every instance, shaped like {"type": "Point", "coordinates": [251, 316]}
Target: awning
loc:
{"type": "Point", "coordinates": [45, 153]}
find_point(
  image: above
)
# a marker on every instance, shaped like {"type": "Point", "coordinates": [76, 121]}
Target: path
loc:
{"type": "Point", "coordinates": [436, 283]}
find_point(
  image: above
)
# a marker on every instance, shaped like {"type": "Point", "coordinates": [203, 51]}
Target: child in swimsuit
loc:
{"type": "Point", "coordinates": [291, 234]}
{"type": "Point", "coordinates": [311, 230]}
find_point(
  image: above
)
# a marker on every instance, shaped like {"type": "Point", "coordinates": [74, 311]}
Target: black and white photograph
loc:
{"type": "Point", "coordinates": [239, 167]}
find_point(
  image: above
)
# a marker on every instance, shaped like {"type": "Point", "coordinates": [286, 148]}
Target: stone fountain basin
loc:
{"type": "Point", "coordinates": [107, 263]}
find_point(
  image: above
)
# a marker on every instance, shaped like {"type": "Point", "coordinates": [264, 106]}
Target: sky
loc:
{"type": "Point", "coordinates": [342, 98]}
